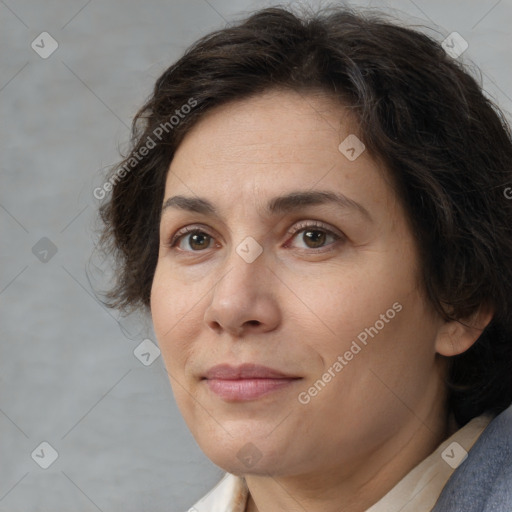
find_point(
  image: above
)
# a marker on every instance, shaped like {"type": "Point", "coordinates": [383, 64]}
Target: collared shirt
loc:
{"type": "Point", "coordinates": [418, 491]}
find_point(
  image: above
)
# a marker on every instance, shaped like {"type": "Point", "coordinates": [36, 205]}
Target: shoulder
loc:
{"type": "Point", "coordinates": [483, 482]}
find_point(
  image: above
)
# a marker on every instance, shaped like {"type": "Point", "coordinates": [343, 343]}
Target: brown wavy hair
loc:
{"type": "Point", "coordinates": [447, 147]}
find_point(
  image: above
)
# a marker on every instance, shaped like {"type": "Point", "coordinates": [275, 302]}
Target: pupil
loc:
{"type": "Point", "coordinates": [314, 238]}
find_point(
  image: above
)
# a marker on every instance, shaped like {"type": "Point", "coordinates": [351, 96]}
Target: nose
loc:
{"type": "Point", "coordinates": [244, 300]}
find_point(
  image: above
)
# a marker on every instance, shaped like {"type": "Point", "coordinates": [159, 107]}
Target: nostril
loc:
{"type": "Point", "coordinates": [216, 326]}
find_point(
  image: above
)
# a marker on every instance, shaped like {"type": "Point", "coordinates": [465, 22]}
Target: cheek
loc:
{"type": "Point", "coordinates": [372, 310]}
{"type": "Point", "coordinates": [176, 315]}
{"type": "Point", "coordinates": [342, 303]}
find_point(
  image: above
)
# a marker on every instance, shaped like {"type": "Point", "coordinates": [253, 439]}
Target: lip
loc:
{"type": "Point", "coordinates": [245, 371]}
{"type": "Point", "coordinates": [246, 382]}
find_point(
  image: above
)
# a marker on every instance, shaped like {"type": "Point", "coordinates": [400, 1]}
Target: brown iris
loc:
{"type": "Point", "coordinates": [314, 238]}
{"type": "Point", "coordinates": [199, 241]}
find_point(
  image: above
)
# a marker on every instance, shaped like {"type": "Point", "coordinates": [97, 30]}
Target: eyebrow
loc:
{"type": "Point", "coordinates": [278, 205]}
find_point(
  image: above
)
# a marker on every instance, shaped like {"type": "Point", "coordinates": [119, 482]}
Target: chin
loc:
{"type": "Point", "coordinates": [246, 453]}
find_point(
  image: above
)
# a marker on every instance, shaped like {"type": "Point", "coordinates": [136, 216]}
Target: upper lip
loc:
{"type": "Point", "coordinates": [245, 371]}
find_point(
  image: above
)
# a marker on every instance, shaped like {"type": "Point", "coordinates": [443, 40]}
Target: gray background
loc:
{"type": "Point", "coordinates": [67, 368]}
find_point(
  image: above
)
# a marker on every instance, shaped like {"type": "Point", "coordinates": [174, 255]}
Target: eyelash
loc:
{"type": "Point", "coordinates": [296, 229]}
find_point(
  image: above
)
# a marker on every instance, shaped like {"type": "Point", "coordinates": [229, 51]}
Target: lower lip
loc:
{"type": "Point", "coordinates": [246, 389]}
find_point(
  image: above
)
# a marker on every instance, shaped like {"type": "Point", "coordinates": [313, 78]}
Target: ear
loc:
{"type": "Point", "coordinates": [457, 336]}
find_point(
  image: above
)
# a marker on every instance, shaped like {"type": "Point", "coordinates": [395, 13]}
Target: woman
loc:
{"type": "Point", "coordinates": [314, 212]}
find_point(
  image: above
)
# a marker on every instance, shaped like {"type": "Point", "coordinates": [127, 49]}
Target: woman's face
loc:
{"type": "Point", "coordinates": [278, 249]}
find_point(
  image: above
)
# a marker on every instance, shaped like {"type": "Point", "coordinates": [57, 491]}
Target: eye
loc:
{"type": "Point", "coordinates": [192, 239]}
{"type": "Point", "coordinates": [313, 235]}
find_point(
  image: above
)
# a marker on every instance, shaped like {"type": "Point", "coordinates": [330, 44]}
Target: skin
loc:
{"type": "Point", "coordinates": [298, 307]}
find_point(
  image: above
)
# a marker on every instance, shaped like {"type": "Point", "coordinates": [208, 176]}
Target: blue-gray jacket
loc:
{"type": "Point", "coordinates": [483, 482]}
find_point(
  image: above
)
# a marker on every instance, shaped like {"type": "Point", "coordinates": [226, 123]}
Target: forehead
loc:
{"type": "Point", "coordinates": [276, 127]}
{"type": "Point", "coordinates": [272, 143]}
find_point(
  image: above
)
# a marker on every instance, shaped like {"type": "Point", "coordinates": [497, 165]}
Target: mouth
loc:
{"type": "Point", "coordinates": [246, 382]}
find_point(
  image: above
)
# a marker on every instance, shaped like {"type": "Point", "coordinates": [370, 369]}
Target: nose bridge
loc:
{"type": "Point", "coordinates": [246, 268]}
